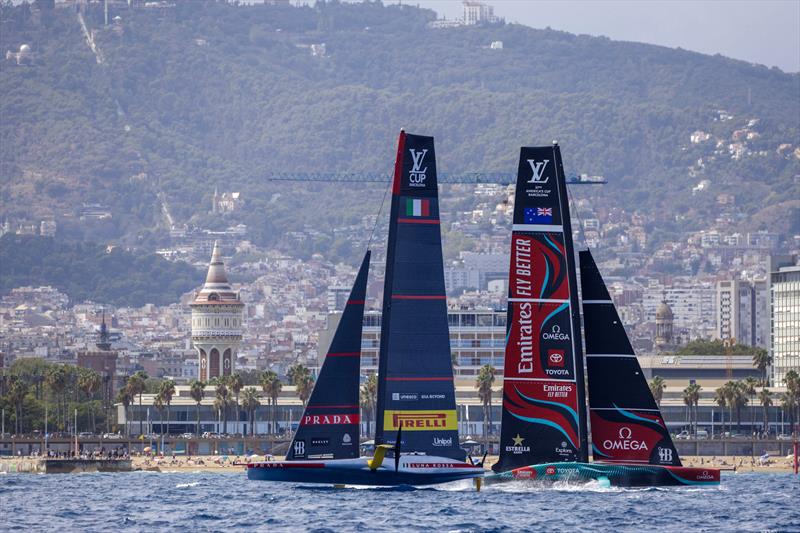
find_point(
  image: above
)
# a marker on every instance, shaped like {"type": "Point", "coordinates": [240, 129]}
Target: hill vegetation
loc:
{"type": "Point", "coordinates": [86, 271]}
{"type": "Point", "coordinates": [181, 99]}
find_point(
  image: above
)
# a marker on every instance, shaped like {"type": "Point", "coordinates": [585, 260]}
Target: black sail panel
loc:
{"type": "Point", "coordinates": [329, 427]}
{"type": "Point", "coordinates": [415, 373]}
{"type": "Point", "coordinates": [544, 416]}
{"type": "Point", "coordinates": [626, 422]}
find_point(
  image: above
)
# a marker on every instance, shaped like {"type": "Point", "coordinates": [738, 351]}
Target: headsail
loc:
{"type": "Point", "coordinates": [627, 425]}
{"type": "Point", "coordinates": [329, 426]}
{"type": "Point", "coordinates": [544, 416]}
{"type": "Point", "coordinates": [415, 372]}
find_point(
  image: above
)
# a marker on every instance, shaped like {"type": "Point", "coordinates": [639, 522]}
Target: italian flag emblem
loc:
{"type": "Point", "coordinates": [418, 207]}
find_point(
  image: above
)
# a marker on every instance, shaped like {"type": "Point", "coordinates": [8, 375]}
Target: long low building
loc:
{"type": "Point", "coordinates": [289, 409]}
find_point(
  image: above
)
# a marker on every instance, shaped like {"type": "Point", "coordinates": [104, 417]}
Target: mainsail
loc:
{"type": "Point", "coordinates": [627, 425]}
{"type": "Point", "coordinates": [544, 416]}
{"type": "Point", "coordinates": [415, 373]}
{"type": "Point", "coordinates": [329, 426]}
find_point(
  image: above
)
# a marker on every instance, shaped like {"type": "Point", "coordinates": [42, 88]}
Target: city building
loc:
{"type": "Point", "coordinates": [337, 297]}
{"type": "Point", "coordinates": [691, 301]}
{"type": "Point", "coordinates": [742, 312]}
{"type": "Point", "coordinates": [784, 294]}
{"type": "Point", "coordinates": [478, 13]}
{"type": "Point", "coordinates": [216, 322]}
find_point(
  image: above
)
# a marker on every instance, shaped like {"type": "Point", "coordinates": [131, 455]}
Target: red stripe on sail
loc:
{"type": "Point", "coordinates": [417, 221]}
{"type": "Point", "coordinates": [355, 302]}
{"type": "Point", "coordinates": [417, 297]}
{"type": "Point", "coordinates": [344, 354]}
{"type": "Point", "coordinates": [419, 379]}
{"type": "Point", "coordinates": [398, 163]}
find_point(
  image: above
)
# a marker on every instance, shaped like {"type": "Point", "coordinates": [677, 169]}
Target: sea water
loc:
{"type": "Point", "coordinates": [148, 501]}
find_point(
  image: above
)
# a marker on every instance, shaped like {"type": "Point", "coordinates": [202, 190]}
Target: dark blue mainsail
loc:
{"type": "Point", "coordinates": [329, 426]}
{"type": "Point", "coordinates": [415, 372]}
{"type": "Point", "coordinates": [627, 425]}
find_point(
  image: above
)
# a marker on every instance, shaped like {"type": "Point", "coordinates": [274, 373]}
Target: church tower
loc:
{"type": "Point", "coordinates": [664, 341]}
{"type": "Point", "coordinates": [216, 322]}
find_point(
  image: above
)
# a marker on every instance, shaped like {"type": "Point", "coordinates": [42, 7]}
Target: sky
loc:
{"type": "Point", "coordinates": [759, 31]}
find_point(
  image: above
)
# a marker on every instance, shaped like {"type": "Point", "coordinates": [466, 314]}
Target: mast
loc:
{"type": "Point", "coordinates": [415, 371]}
{"type": "Point", "coordinates": [329, 427]}
{"type": "Point", "coordinates": [627, 425]}
{"type": "Point", "coordinates": [544, 406]}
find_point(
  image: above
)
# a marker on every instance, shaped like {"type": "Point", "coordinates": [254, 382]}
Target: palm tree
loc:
{"type": "Point", "coordinates": [749, 387]}
{"type": "Point", "coordinates": [295, 372]}
{"type": "Point", "coordinates": [792, 381]}
{"type": "Point", "coordinates": [158, 403]}
{"type": "Point", "coordinates": [688, 401]}
{"type": "Point", "coordinates": [136, 384]}
{"type": "Point", "coordinates": [484, 384]}
{"type": "Point", "coordinates": [738, 399]}
{"type": "Point", "coordinates": [235, 384]}
{"type": "Point", "coordinates": [56, 381]}
{"type": "Point", "coordinates": [271, 385]}
{"type": "Point", "coordinates": [16, 395]}
{"type": "Point", "coordinates": [305, 385]}
{"type": "Point", "coordinates": [657, 386]}
{"type": "Point", "coordinates": [221, 402]}
{"type": "Point", "coordinates": [197, 390]}
{"type": "Point", "coordinates": [765, 397]}
{"type": "Point", "coordinates": [250, 403]}
{"type": "Point", "coordinates": [789, 405]}
{"type": "Point", "coordinates": [166, 392]}
{"type": "Point", "coordinates": [125, 397]}
{"type": "Point", "coordinates": [761, 360]}
{"type": "Point", "coordinates": [90, 382]}
{"type": "Point", "coordinates": [721, 397]}
{"type": "Point", "coordinates": [219, 406]}
{"type": "Point", "coordinates": [369, 397]}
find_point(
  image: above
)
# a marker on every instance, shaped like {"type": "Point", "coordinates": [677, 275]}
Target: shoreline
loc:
{"type": "Point", "coordinates": [234, 464]}
{"type": "Point", "coordinates": [222, 465]}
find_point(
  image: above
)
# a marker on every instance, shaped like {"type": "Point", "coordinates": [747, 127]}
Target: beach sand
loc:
{"type": "Point", "coordinates": [228, 464]}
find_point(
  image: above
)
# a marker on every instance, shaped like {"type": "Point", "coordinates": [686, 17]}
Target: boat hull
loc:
{"type": "Point", "coordinates": [419, 470]}
{"type": "Point", "coordinates": [618, 474]}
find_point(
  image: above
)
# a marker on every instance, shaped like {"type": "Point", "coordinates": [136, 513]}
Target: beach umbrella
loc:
{"type": "Point", "coordinates": [147, 449]}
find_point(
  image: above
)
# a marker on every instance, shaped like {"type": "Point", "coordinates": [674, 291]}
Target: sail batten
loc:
{"type": "Point", "coordinates": [544, 416]}
{"type": "Point", "coordinates": [329, 427]}
{"type": "Point", "coordinates": [415, 373]}
{"type": "Point", "coordinates": [626, 422]}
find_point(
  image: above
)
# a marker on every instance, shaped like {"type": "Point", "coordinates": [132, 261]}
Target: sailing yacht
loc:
{"type": "Point", "coordinates": [416, 421]}
{"type": "Point", "coordinates": [545, 433]}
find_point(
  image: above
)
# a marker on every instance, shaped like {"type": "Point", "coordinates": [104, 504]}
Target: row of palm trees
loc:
{"type": "Point", "coordinates": [735, 396]}
{"type": "Point", "coordinates": [33, 387]}
{"type": "Point", "coordinates": [229, 392]}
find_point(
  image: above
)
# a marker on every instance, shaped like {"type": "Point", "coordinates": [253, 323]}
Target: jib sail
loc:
{"type": "Point", "coordinates": [329, 427]}
{"type": "Point", "coordinates": [415, 374]}
{"type": "Point", "coordinates": [627, 425]}
{"type": "Point", "coordinates": [544, 416]}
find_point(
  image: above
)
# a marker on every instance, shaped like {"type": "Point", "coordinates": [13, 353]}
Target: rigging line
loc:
{"type": "Point", "coordinates": [378, 214]}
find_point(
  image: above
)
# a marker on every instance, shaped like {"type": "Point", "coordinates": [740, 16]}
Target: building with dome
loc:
{"type": "Point", "coordinates": [216, 322]}
{"type": "Point", "coordinates": [665, 319]}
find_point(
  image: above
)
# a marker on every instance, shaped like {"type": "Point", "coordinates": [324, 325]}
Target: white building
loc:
{"type": "Point", "coordinates": [693, 304]}
{"type": "Point", "coordinates": [478, 13]}
{"type": "Point", "coordinates": [216, 322]}
{"type": "Point", "coordinates": [784, 292]}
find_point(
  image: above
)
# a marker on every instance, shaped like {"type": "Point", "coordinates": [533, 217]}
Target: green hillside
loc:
{"type": "Point", "coordinates": [184, 99]}
{"type": "Point", "coordinates": [91, 272]}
